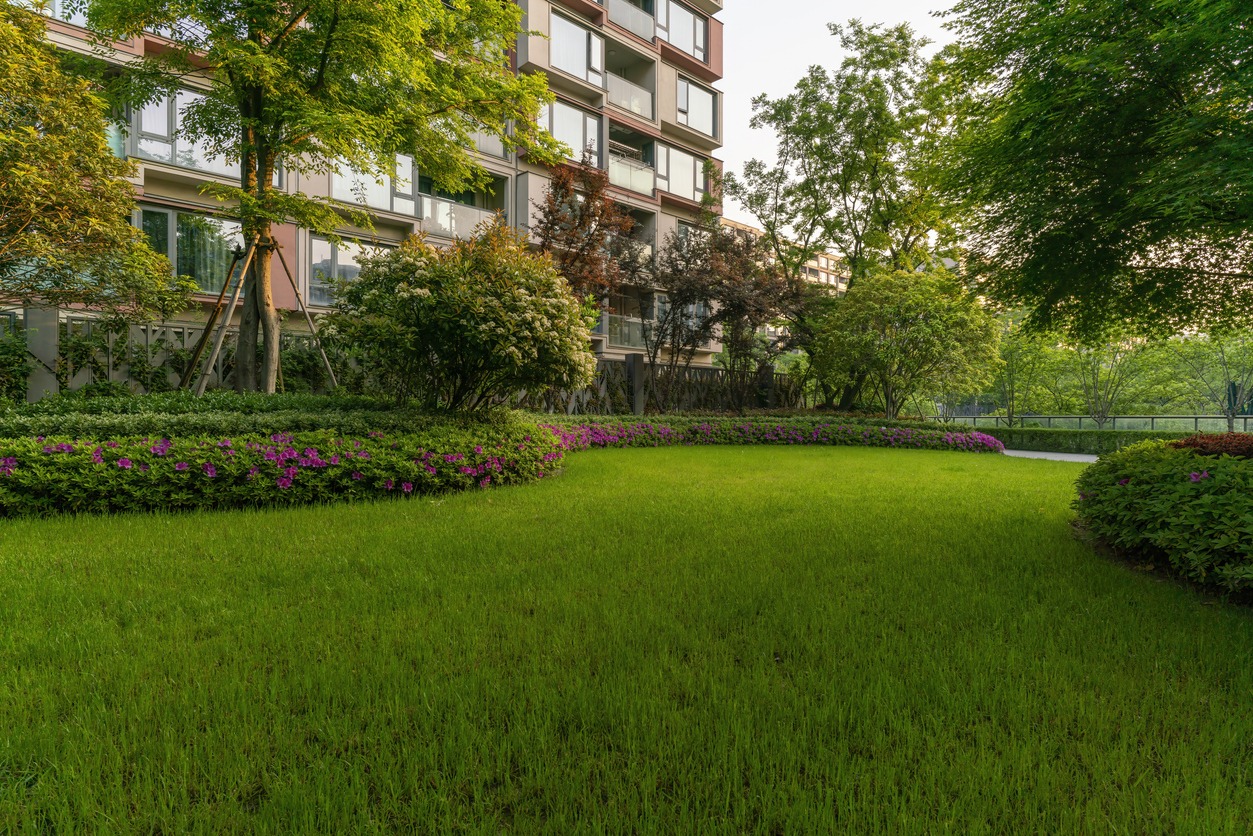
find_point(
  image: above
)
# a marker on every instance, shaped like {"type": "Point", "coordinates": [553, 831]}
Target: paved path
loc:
{"type": "Point", "coordinates": [1057, 457]}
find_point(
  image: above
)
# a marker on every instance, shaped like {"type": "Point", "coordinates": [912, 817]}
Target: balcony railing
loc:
{"type": "Point", "coordinates": [633, 19]}
{"type": "Point", "coordinates": [450, 219]}
{"type": "Point", "coordinates": [632, 174]}
{"type": "Point", "coordinates": [625, 331]}
{"type": "Point", "coordinates": [630, 96]}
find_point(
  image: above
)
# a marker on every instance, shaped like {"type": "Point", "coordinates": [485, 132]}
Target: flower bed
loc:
{"type": "Point", "coordinates": [1179, 502]}
{"type": "Point", "coordinates": [582, 436]}
{"type": "Point", "coordinates": [49, 475]}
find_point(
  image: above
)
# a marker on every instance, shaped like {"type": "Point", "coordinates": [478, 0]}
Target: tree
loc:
{"type": "Point", "coordinates": [1023, 356]}
{"type": "Point", "coordinates": [65, 205]}
{"type": "Point", "coordinates": [1104, 169]}
{"type": "Point", "coordinates": [1106, 373]}
{"type": "Point", "coordinates": [465, 327]}
{"type": "Point", "coordinates": [587, 233]}
{"type": "Point", "coordinates": [857, 165]}
{"type": "Point", "coordinates": [320, 85]}
{"type": "Point", "coordinates": [910, 332]}
{"type": "Point", "coordinates": [1220, 364]}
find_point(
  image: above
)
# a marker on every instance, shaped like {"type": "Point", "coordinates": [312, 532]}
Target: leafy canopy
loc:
{"type": "Point", "coordinates": [1105, 166]}
{"type": "Point", "coordinates": [65, 204]}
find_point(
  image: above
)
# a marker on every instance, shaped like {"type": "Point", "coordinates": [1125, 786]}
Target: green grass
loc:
{"type": "Point", "coordinates": [676, 640]}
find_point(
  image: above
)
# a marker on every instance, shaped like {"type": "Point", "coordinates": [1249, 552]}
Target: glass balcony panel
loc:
{"type": "Point", "coordinates": [450, 219]}
{"type": "Point", "coordinates": [625, 332]}
{"type": "Point", "coordinates": [633, 19]}
{"type": "Point", "coordinates": [630, 96]}
{"type": "Point", "coordinates": [631, 174]}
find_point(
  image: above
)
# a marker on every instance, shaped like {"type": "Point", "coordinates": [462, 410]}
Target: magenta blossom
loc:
{"type": "Point", "coordinates": [407, 487]}
{"type": "Point", "coordinates": [181, 466]}
{"type": "Point", "coordinates": [210, 470]}
{"type": "Point", "coordinates": [1196, 477]}
{"type": "Point", "coordinates": [126, 463]}
{"type": "Point", "coordinates": [283, 482]}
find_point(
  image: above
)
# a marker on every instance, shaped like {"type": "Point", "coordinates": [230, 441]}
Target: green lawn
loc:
{"type": "Point", "coordinates": [677, 640]}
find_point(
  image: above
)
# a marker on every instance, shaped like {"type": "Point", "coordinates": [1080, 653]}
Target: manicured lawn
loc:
{"type": "Point", "coordinates": [680, 640]}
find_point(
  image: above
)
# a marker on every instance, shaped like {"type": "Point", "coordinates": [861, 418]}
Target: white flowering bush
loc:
{"type": "Point", "coordinates": [464, 327]}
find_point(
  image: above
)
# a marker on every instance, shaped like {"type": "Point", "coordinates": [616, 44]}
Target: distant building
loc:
{"type": "Point", "coordinates": [825, 268]}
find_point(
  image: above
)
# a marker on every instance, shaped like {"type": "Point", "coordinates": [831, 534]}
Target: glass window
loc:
{"type": "Point", "coordinates": [697, 107]}
{"type": "Point", "coordinates": [204, 248]}
{"type": "Point", "coordinates": [681, 173]}
{"type": "Point", "coordinates": [576, 128]}
{"type": "Point", "coordinates": [684, 28]}
{"type": "Point", "coordinates": [332, 263]}
{"type": "Point", "coordinates": [577, 51]}
{"type": "Point", "coordinates": [161, 137]}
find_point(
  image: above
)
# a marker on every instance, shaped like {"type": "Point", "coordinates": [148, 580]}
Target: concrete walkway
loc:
{"type": "Point", "coordinates": [1056, 457]}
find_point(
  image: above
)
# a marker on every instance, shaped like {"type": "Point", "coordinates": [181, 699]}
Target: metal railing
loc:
{"type": "Point", "coordinates": [451, 219]}
{"type": "Point", "coordinates": [633, 19]}
{"type": "Point", "coordinates": [1165, 423]}
{"type": "Point", "coordinates": [632, 174]}
{"type": "Point", "coordinates": [629, 96]}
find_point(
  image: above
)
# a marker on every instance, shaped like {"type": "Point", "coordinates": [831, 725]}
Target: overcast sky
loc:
{"type": "Point", "coordinates": [770, 44]}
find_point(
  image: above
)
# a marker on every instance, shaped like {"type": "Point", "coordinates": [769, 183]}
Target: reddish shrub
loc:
{"type": "Point", "coordinates": [1236, 445]}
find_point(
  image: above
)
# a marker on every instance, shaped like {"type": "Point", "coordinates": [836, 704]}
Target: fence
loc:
{"type": "Point", "coordinates": [1166, 423]}
{"type": "Point", "coordinates": [631, 386]}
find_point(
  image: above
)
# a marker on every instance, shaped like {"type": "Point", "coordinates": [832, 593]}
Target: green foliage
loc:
{"type": "Point", "coordinates": [15, 367]}
{"type": "Point", "coordinates": [909, 333]}
{"type": "Point", "coordinates": [1086, 442]}
{"type": "Point", "coordinates": [39, 477]}
{"type": "Point", "coordinates": [858, 150]}
{"type": "Point", "coordinates": [65, 204]}
{"type": "Point", "coordinates": [330, 85]}
{"type": "Point", "coordinates": [1105, 166]}
{"type": "Point", "coordinates": [463, 327]}
{"type": "Point", "coordinates": [1155, 500]}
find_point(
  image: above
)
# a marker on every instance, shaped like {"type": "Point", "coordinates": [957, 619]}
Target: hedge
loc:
{"type": "Point", "coordinates": [1158, 501]}
{"type": "Point", "coordinates": [583, 434]}
{"type": "Point", "coordinates": [1091, 442]}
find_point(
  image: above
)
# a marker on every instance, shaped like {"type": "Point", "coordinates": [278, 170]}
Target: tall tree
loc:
{"type": "Point", "coordinates": [65, 205]}
{"type": "Point", "coordinates": [858, 160]}
{"type": "Point", "coordinates": [1023, 356]}
{"type": "Point", "coordinates": [1105, 167]}
{"type": "Point", "coordinates": [586, 231]}
{"type": "Point", "coordinates": [311, 86]}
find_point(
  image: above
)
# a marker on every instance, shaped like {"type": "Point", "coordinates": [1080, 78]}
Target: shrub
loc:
{"type": "Point", "coordinates": [584, 435]}
{"type": "Point", "coordinates": [1238, 445]}
{"type": "Point", "coordinates": [1090, 442]}
{"type": "Point", "coordinates": [464, 327]}
{"type": "Point", "coordinates": [15, 367]}
{"type": "Point", "coordinates": [1157, 499]}
{"type": "Point", "coordinates": [53, 475]}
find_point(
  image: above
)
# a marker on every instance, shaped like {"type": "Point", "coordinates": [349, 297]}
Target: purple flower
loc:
{"type": "Point", "coordinates": [389, 484]}
{"type": "Point", "coordinates": [356, 475]}
{"type": "Point", "coordinates": [1196, 477]}
{"type": "Point", "coordinates": [210, 470]}
{"type": "Point", "coordinates": [181, 466]}
{"type": "Point", "coordinates": [1124, 481]}
{"type": "Point", "coordinates": [407, 487]}
{"type": "Point", "coordinates": [110, 444]}
{"type": "Point", "coordinates": [283, 482]}
{"type": "Point", "coordinates": [126, 464]}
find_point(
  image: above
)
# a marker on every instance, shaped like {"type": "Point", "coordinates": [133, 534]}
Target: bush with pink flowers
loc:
{"type": "Point", "coordinates": [42, 476]}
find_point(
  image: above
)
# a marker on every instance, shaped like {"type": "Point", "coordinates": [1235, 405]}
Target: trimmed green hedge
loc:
{"type": "Point", "coordinates": [1091, 442]}
{"type": "Point", "coordinates": [1155, 500]}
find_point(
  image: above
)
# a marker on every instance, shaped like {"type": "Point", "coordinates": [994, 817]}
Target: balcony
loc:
{"type": "Point", "coordinates": [633, 175]}
{"type": "Point", "coordinates": [449, 219]}
{"type": "Point", "coordinates": [625, 332]}
{"type": "Point", "coordinates": [630, 96]}
{"type": "Point", "coordinates": [633, 19]}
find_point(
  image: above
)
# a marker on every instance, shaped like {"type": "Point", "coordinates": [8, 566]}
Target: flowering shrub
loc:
{"type": "Point", "coordinates": [1160, 500]}
{"type": "Point", "coordinates": [41, 476]}
{"type": "Point", "coordinates": [742, 431]}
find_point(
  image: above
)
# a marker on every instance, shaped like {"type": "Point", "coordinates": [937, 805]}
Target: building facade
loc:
{"type": "Point", "coordinates": [634, 82]}
{"type": "Point", "coordinates": [825, 268]}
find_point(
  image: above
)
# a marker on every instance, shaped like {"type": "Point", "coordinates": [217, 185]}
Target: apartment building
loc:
{"type": "Point", "coordinates": [634, 82]}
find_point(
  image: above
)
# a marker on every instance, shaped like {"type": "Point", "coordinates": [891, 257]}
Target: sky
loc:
{"type": "Point", "coordinates": [770, 45]}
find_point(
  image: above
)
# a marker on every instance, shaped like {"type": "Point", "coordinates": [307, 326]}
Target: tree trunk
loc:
{"type": "Point", "coordinates": [246, 345]}
{"type": "Point", "coordinates": [848, 398]}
